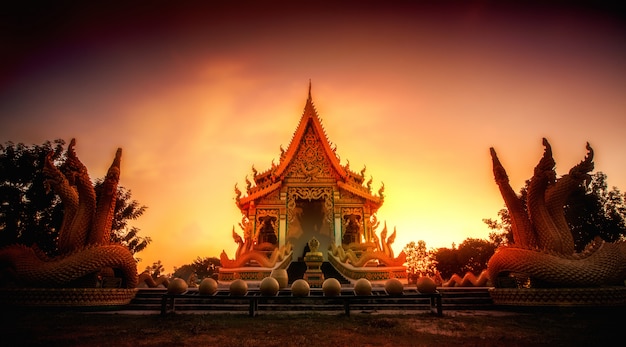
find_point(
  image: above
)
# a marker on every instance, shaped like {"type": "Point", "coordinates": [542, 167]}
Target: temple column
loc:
{"type": "Point", "coordinates": [282, 229]}
{"type": "Point", "coordinates": [337, 218]}
{"type": "Point", "coordinates": [251, 219]}
{"type": "Point", "coordinates": [282, 221]}
{"type": "Point", "coordinates": [338, 229]}
{"type": "Point", "coordinates": [367, 231]}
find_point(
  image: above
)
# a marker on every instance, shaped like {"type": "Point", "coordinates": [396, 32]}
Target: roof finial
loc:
{"type": "Point", "coordinates": [309, 89]}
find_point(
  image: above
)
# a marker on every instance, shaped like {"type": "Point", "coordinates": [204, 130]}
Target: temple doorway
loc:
{"type": "Point", "coordinates": [309, 221]}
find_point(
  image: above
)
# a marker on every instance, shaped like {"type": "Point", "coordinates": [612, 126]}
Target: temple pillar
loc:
{"type": "Point", "coordinates": [252, 218]}
{"type": "Point", "coordinates": [337, 218]}
{"type": "Point", "coordinates": [367, 231]}
{"type": "Point", "coordinates": [282, 221]}
{"type": "Point", "coordinates": [338, 229]}
{"type": "Point", "coordinates": [282, 229]}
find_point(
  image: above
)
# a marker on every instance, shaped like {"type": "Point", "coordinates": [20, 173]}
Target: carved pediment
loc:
{"type": "Point", "coordinates": [310, 161]}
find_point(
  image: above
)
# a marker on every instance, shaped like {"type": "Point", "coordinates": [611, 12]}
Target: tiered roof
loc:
{"type": "Point", "coordinates": [273, 178]}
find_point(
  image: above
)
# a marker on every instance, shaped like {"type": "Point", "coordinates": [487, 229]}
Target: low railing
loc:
{"type": "Point", "coordinates": [254, 301]}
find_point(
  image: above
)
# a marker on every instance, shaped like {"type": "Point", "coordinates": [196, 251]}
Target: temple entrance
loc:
{"type": "Point", "coordinates": [309, 221]}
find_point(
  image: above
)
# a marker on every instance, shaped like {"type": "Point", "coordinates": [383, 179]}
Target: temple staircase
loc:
{"type": "Point", "coordinates": [330, 272]}
{"type": "Point", "coordinates": [297, 269]}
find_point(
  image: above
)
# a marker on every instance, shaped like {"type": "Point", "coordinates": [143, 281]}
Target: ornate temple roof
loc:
{"type": "Point", "coordinates": [309, 157]}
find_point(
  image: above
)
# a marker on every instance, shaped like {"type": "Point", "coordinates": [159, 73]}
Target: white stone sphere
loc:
{"type": "Point", "coordinates": [331, 287]}
{"type": "Point", "coordinates": [208, 286]}
{"type": "Point", "coordinates": [238, 287]}
{"type": "Point", "coordinates": [393, 286]}
{"type": "Point", "coordinates": [363, 287]}
{"type": "Point", "coordinates": [300, 287]}
{"type": "Point", "coordinates": [426, 285]}
{"type": "Point", "coordinates": [269, 286]}
{"type": "Point", "coordinates": [177, 286]}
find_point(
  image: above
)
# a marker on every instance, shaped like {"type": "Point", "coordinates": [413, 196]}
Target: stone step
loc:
{"type": "Point", "coordinates": [297, 269]}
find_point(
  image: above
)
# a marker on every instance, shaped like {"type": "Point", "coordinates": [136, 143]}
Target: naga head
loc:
{"type": "Point", "coordinates": [392, 237]}
{"type": "Point", "coordinates": [581, 171]}
{"type": "Point", "coordinates": [545, 167]}
{"type": "Point", "coordinates": [237, 238]}
{"type": "Point", "coordinates": [113, 174]}
{"type": "Point", "coordinates": [498, 170]}
{"type": "Point", "coordinates": [114, 169]}
{"type": "Point", "coordinates": [72, 167]}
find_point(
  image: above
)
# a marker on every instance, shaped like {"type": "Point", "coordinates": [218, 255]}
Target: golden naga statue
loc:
{"type": "Point", "coordinates": [468, 280]}
{"type": "Point", "coordinates": [249, 251]}
{"type": "Point", "coordinates": [260, 257]}
{"type": "Point", "coordinates": [543, 248]}
{"type": "Point", "coordinates": [379, 251]}
{"type": "Point", "coordinates": [83, 243]}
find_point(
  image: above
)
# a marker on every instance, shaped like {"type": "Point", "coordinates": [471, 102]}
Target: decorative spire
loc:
{"type": "Point", "coordinates": [309, 109]}
{"type": "Point", "coordinates": [309, 89]}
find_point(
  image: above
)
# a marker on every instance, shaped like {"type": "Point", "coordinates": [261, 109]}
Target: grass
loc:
{"type": "Point", "coordinates": [455, 328]}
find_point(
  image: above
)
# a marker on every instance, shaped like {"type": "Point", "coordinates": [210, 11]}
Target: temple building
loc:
{"type": "Point", "coordinates": [309, 195]}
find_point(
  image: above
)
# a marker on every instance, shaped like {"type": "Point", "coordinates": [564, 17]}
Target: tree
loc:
{"type": "Point", "coordinates": [206, 267]}
{"type": "Point", "coordinates": [590, 211]}
{"type": "Point", "coordinates": [29, 214]}
{"type": "Point", "coordinates": [596, 211]}
{"type": "Point", "coordinates": [419, 260]}
{"type": "Point", "coordinates": [186, 272]}
{"type": "Point", "coordinates": [474, 254]}
{"type": "Point", "coordinates": [502, 232]}
{"type": "Point", "coordinates": [201, 268]}
{"type": "Point", "coordinates": [448, 262]}
{"type": "Point", "coordinates": [155, 269]}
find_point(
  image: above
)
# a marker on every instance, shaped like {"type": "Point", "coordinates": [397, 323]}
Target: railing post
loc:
{"type": "Point", "coordinates": [254, 306]}
{"type": "Point", "coordinates": [163, 304]}
{"type": "Point", "coordinates": [435, 304]}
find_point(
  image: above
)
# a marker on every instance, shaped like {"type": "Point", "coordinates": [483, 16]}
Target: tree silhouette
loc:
{"type": "Point", "coordinates": [474, 254]}
{"type": "Point", "coordinates": [471, 255]}
{"type": "Point", "coordinates": [31, 215]}
{"type": "Point", "coordinates": [501, 231]}
{"type": "Point", "coordinates": [206, 267]}
{"type": "Point", "coordinates": [596, 211]}
{"type": "Point", "coordinates": [448, 262]}
{"type": "Point", "coordinates": [201, 267]}
{"type": "Point", "coordinates": [155, 270]}
{"type": "Point", "coordinates": [419, 260]}
{"type": "Point", "coordinates": [28, 214]}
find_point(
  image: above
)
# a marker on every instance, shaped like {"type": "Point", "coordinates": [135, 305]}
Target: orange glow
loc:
{"type": "Point", "coordinates": [417, 94]}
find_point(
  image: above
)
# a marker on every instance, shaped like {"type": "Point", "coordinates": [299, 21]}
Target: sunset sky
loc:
{"type": "Point", "coordinates": [417, 93]}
